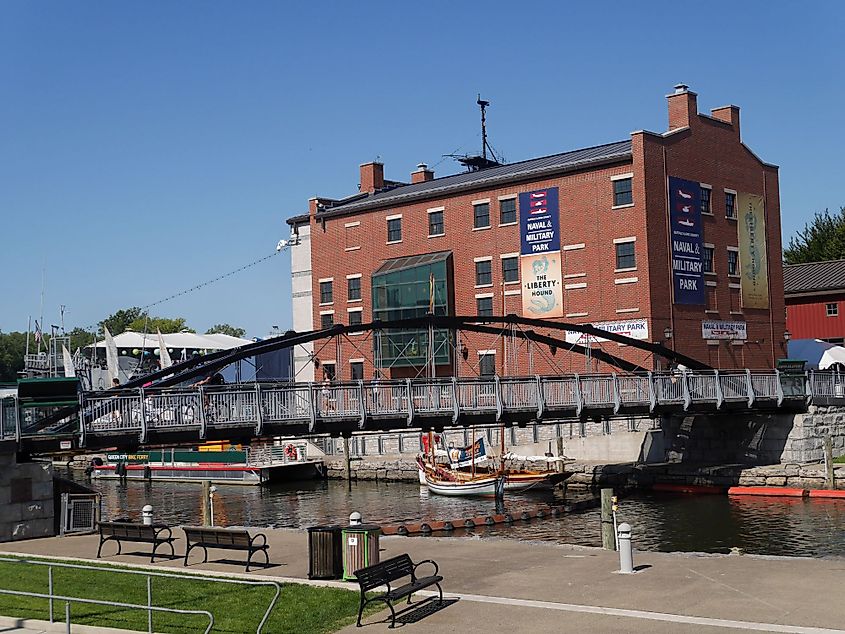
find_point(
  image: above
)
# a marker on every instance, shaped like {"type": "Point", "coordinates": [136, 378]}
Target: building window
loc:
{"type": "Point", "coordinates": [708, 260]}
{"type": "Point", "coordinates": [326, 320]}
{"type": "Point", "coordinates": [435, 223]}
{"type": "Point", "coordinates": [487, 364]}
{"type": "Point", "coordinates": [326, 294]}
{"type": "Point", "coordinates": [356, 370]}
{"type": "Point", "coordinates": [623, 193]}
{"type": "Point", "coordinates": [354, 317]}
{"type": "Point", "coordinates": [507, 211]}
{"type": "Point", "coordinates": [352, 240]}
{"type": "Point", "coordinates": [730, 205]}
{"type": "Point", "coordinates": [484, 306]}
{"type": "Point", "coordinates": [832, 310]}
{"type": "Point", "coordinates": [705, 200]}
{"type": "Point", "coordinates": [329, 371]}
{"type": "Point", "coordinates": [394, 230]}
{"type": "Point", "coordinates": [733, 262]}
{"type": "Point", "coordinates": [483, 273]}
{"type": "Point", "coordinates": [481, 215]}
{"type": "Point", "coordinates": [625, 257]}
{"type": "Point", "coordinates": [510, 269]}
{"type": "Point", "coordinates": [353, 288]}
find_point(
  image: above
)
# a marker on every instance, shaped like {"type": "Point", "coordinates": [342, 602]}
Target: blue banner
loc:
{"type": "Point", "coordinates": [539, 221]}
{"type": "Point", "coordinates": [687, 251]}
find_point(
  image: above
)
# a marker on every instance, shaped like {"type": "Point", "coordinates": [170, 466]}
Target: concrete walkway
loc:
{"type": "Point", "coordinates": [501, 585]}
{"type": "Point", "coordinates": [12, 625]}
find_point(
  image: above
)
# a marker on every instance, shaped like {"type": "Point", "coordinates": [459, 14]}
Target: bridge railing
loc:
{"type": "Point", "coordinates": [146, 410]}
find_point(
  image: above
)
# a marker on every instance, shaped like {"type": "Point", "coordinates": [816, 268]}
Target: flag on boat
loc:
{"type": "Point", "coordinates": [465, 456]}
{"type": "Point", "coordinates": [111, 356]}
{"type": "Point", "coordinates": [164, 355]}
{"type": "Point", "coordinates": [68, 362]}
{"type": "Point", "coordinates": [38, 335]}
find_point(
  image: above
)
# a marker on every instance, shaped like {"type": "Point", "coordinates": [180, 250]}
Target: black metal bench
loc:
{"type": "Point", "coordinates": [155, 534]}
{"type": "Point", "coordinates": [226, 538]}
{"type": "Point", "coordinates": [393, 569]}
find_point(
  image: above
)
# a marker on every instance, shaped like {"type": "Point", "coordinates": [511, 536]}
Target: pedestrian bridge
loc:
{"type": "Point", "coordinates": [131, 417]}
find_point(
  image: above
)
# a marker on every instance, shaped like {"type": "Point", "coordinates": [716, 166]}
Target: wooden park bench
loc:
{"type": "Point", "coordinates": [393, 569]}
{"type": "Point", "coordinates": [226, 538]}
{"type": "Point", "coordinates": [155, 534]}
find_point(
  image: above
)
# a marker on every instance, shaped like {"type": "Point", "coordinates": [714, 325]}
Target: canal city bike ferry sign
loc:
{"type": "Point", "coordinates": [687, 256]}
{"type": "Point", "coordinates": [540, 265]}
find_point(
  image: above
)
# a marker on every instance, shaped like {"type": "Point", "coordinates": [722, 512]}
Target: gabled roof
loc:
{"type": "Point", "coordinates": [404, 194]}
{"type": "Point", "coordinates": [814, 277]}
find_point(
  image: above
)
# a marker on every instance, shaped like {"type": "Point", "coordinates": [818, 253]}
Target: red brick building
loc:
{"type": "Point", "coordinates": [815, 300]}
{"type": "Point", "coordinates": [619, 243]}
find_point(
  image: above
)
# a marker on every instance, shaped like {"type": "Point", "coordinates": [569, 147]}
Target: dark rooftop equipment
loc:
{"type": "Point", "coordinates": [475, 163]}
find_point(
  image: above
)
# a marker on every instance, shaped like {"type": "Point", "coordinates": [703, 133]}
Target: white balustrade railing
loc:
{"type": "Point", "coordinates": [259, 404]}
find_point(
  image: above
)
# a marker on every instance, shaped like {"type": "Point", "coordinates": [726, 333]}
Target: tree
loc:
{"type": "Point", "coordinates": [823, 238]}
{"type": "Point", "coordinates": [146, 323]}
{"type": "Point", "coordinates": [119, 321]}
{"type": "Point", "coordinates": [12, 350]}
{"type": "Point", "coordinates": [226, 329]}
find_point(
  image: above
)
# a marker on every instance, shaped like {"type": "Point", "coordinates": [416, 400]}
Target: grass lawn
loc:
{"type": "Point", "coordinates": [236, 608]}
{"type": "Point", "coordinates": [840, 459]}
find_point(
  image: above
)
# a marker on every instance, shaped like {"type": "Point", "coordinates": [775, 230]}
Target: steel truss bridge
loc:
{"type": "Point", "coordinates": [169, 412]}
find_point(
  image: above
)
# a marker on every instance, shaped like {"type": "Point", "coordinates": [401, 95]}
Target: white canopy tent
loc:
{"type": "Point", "coordinates": [131, 340]}
{"type": "Point", "coordinates": [818, 354]}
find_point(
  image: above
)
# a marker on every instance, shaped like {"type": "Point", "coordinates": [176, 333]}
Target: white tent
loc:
{"type": "Point", "coordinates": [131, 340]}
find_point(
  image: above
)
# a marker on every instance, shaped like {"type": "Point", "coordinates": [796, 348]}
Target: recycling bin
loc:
{"type": "Point", "coordinates": [360, 548]}
{"type": "Point", "coordinates": [325, 552]}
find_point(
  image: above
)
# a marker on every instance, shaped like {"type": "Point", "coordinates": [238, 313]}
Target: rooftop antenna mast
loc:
{"type": "Point", "coordinates": [483, 104]}
{"type": "Point", "coordinates": [475, 163]}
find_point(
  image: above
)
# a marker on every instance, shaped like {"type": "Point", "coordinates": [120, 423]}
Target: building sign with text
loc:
{"type": "Point", "coordinates": [540, 262]}
{"type": "Point", "coordinates": [724, 330]}
{"type": "Point", "coordinates": [687, 256]}
{"type": "Point", "coordinates": [754, 267]}
{"type": "Point", "coordinates": [633, 328]}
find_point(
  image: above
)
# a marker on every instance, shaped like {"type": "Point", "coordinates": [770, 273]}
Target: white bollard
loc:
{"type": "Point", "coordinates": [211, 491]}
{"type": "Point", "coordinates": [355, 519]}
{"type": "Point", "coordinates": [147, 515]}
{"type": "Point", "coordinates": [626, 555]}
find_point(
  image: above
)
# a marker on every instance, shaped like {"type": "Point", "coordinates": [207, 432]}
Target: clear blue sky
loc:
{"type": "Point", "coordinates": [146, 147]}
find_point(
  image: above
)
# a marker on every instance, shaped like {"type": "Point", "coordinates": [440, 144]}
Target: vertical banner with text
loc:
{"type": "Point", "coordinates": [752, 251]}
{"type": "Point", "coordinates": [687, 256]}
{"type": "Point", "coordinates": [540, 265]}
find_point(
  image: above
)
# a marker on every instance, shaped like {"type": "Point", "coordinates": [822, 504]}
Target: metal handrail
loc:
{"type": "Point", "coordinates": [114, 604]}
{"type": "Point", "coordinates": [149, 574]}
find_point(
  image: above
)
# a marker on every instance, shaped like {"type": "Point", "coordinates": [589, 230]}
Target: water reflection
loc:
{"type": "Point", "coordinates": [664, 522]}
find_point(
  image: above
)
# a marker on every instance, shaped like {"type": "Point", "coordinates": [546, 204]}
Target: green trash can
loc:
{"type": "Point", "coordinates": [360, 548]}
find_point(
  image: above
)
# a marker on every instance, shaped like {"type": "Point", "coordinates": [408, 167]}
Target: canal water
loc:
{"type": "Point", "coordinates": [662, 522]}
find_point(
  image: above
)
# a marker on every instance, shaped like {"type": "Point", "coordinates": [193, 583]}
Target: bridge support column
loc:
{"type": "Point", "coordinates": [26, 491]}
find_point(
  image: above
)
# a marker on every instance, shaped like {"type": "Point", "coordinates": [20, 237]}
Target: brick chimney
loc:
{"type": "Point", "coordinates": [728, 114]}
{"type": "Point", "coordinates": [422, 175]}
{"type": "Point", "coordinates": [372, 177]}
{"type": "Point", "coordinates": [683, 107]}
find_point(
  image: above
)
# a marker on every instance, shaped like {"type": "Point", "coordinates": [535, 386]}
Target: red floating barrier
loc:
{"type": "Point", "coordinates": [826, 493]}
{"type": "Point", "coordinates": [770, 491]}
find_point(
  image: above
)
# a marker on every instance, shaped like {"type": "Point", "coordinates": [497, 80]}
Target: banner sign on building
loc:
{"type": "Point", "coordinates": [633, 328]}
{"type": "Point", "coordinates": [539, 221]}
{"type": "Point", "coordinates": [752, 251]}
{"type": "Point", "coordinates": [724, 330]}
{"type": "Point", "coordinates": [542, 285]}
{"type": "Point", "coordinates": [540, 262]}
{"type": "Point", "coordinates": [687, 256]}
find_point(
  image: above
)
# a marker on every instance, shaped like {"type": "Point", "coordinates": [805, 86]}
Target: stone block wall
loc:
{"type": "Point", "coordinates": [26, 497]}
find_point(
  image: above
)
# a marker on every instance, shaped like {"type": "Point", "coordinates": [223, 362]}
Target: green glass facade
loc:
{"type": "Point", "coordinates": [402, 289]}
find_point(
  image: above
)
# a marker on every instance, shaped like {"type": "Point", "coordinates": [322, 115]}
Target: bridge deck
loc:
{"type": "Point", "coordinates": [139, 416]}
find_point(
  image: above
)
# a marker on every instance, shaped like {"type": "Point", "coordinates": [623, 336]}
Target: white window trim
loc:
{"type": "Point", "coordinates": [352, 248]}
{"type": "Point", "coordinates": [710, 283]}
{"type": "Point", "coordinates": [577, 314]}
{"type": "Point", "coordinates": [711, 312]}
{"type": "Point", "coordinates": [517, 291]}
{"type": "Point", "coordinates": [483, 258]}
{"type": "Point", "coordinates": [710, 187]}
{"type": "Point", "coordinates": [393, 242]}
{"type": "Point", "coordinates": [730, 191]}
{"type": "Point", "coordinates": [626, 280]}
{"type": "Point", "coordinates": [569, 276]}
{"type": "Point", "coordinates": [481, 201]}
{"type": "Point", "coordinates": [393, 217]}
{"type": "Point", "coordinates": [573, 247]}
{"type": "Point", "coordinates": [627, 310]}
{"type": "Point", "coordinates": [361, 360]}
{"type": "Point", "coordinates": [733, 284]}
{"type": "Point", "coordinates": [705, 186]}
{"type": "Point", "coordinates": [508, 224]}
{"type": "Point", "coordinates": [507, 197]}
{"type": "Point", "coordinates": [623, 206]}
{"type": "Point", "coordinates": [349, 225]}
{"type": "Point", "coordinates": [325, 279]}
{"type": "Point", "coordinates": [738, 274]}
{"type": "Point", "coordinates": [570, 287]}
{"type": "Point", "coordinates": [483, 295]}
{"type": "Point", "coordinates": [434, 210]}
{"type": "Point", "coordinates": [484, 228]}
{"type": "Point", "coordinates": [509, 255]}
{"type": "Point", "coordinates": [327, 312]}
{"type": "Point", "coordinates": [357, 309]}
{"type": "Point", "coordinates": [353, 276]}
{"type": "Point", "coordinates": [481, 353]}
{"type": "Point", "coordinates": [625, 270]}
{"type": "Point", "coordinates": [712, 342]}
{"type": "Point", "coordinates": [621, 177]}
{"type": "Point", "coordinates": [624, 240]}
